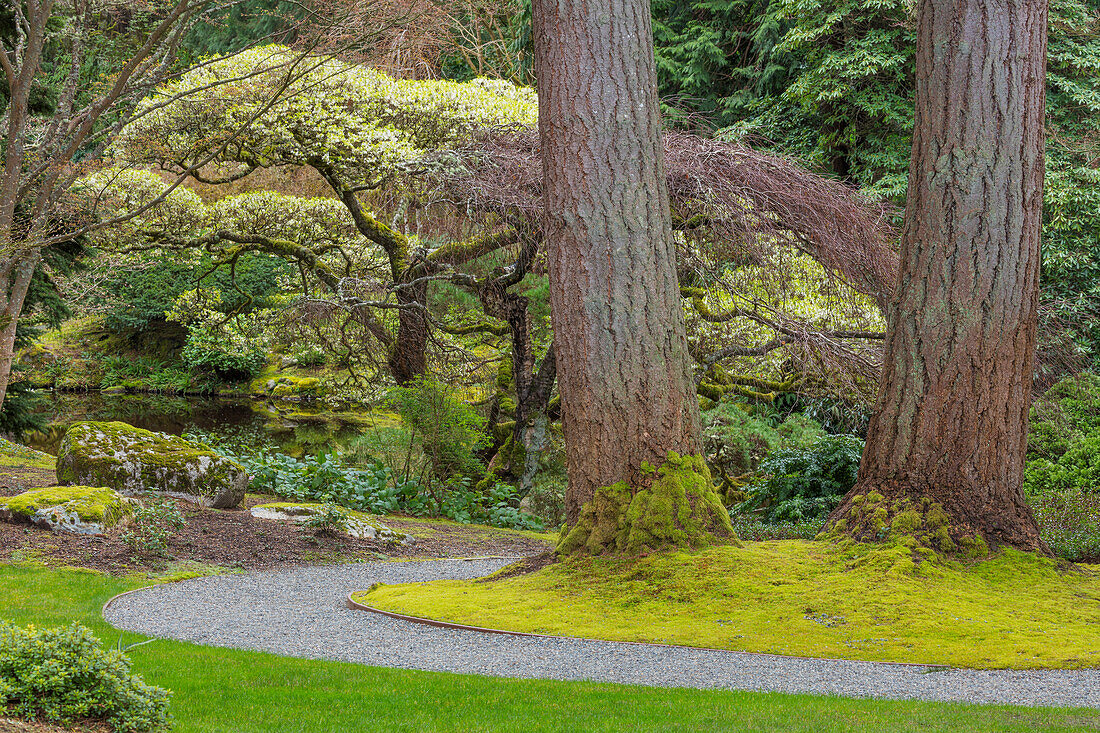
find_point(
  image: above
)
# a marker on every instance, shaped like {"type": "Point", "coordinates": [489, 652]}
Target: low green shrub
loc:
{"type": "Point", "coordinates": [64, 676]}
{"type": "Point", "coordinates": [804, 484]}
{"type": "Point", "coordinates": [153, 523]}
{"type": "Point", "coordinates": [1062, 474]}
{"type": "Point", "coordinates": [311, 357]}
{"type": "Point", "coordinates": [375, 489]}
{"type": "Point", "coordinates": [225, 353]}
{"type": "Point", "coordinates": [1077, 468]}
{"type": "Point", "coordinates": [735, 442]}
{"type": "Point", "coordinates": [331, 519]}
{"type": "Point", "coordinates": [1066, 412]}
{"type": "Point", "coordinates": [498, 506]}
{"type": "Point", "coordinates": [1069, 522]}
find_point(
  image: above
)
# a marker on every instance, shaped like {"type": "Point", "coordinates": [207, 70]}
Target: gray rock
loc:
{"type": "Point", "coordinates": [75, 509]}
{"type": "Point", "coordinates": [131, 460]}
{"type": "Point", "coordinates": [358, 524]}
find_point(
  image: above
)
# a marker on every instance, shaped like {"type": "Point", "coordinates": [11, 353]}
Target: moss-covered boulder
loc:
{"type": "Point", "coordinates": [349, 521]}
{"type": "Point", "coordinates": [132, 460]}
{"type": "Point", "coordinates": [76, 509]}
{"type": "Point", "coordinates": [291, 387]}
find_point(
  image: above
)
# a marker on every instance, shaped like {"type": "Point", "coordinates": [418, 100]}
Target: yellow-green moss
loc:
{"type": "Point", "coordinates": [917, 524]}
{"type": "Point", "coordinates": [676, 505]}
{"type": "Point", "coordinates": [131, 460]}
{"type": "Point", "coordinates": [91, 503]}
{"type": "Point", "coordinates": [274, 382]}
{"type": "Point", "coordinates": [13, 454]}
{"type": "Point", "coordinates": [848, 600]}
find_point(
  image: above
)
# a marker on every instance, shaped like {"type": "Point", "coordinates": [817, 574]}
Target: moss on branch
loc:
{"type": "Point", "coordinates": [497, 329]}
{"type": "Point", "coordinates": [461, 252]}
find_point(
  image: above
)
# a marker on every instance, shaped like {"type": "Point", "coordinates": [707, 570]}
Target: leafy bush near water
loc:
{"type": "Point", "coordinates": [63, 675]}
{"type": "Point", "coordinates": [224, 353]}
{"type": "Point", "coordinates": [374, 489]}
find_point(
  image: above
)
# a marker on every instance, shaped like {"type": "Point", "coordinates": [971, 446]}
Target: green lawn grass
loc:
{"type": "Point", "coordinates": [234, 691]}
{"type": "Point", "coordinates": [798, 597]}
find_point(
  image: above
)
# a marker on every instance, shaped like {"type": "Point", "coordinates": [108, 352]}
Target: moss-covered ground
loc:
{"type": "Point", "coordinates": [222, 690]}
{"type": "Point", "coordinates": [22, 467]}
{"type": "Point", "coordinates": [795, 597]}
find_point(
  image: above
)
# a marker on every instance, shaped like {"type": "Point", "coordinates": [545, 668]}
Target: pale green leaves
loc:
{"type": "Point", "coordinates": [267, 107]}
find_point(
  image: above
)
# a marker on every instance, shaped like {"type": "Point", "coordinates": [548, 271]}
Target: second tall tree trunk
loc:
{"type": "Point", "coordinates": [945, 449]}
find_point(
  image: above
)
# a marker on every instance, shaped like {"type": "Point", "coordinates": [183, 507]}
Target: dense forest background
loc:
{"type": "Point", "coordinates": [785, 318]}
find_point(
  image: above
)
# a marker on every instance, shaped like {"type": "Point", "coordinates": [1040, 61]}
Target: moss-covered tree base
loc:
{"type": "Point", "coordinates": [675, 505]}
{"type": "Point", "coordinates": [921, 524]}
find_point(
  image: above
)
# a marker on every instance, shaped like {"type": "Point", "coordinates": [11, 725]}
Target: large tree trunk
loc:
{"type": "Point", "coordinates": [622, 357]}
{"type": "Point", "coordinates": [951, 422]}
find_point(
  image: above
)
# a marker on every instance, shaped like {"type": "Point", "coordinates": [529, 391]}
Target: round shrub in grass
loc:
{"type": "Point", "coordinates": [63, 675]}
{"type": "Point", "coordinates": [804, 484]}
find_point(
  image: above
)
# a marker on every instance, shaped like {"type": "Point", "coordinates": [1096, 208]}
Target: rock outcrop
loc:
{"type": "Point", "coordinates": [349, 521]}
{"type": "Point", "coordinates": [131, 460]}
{"type": "Point", "coordinates": [76, 509]}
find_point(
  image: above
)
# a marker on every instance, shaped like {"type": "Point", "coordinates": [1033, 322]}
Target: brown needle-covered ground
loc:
{"type": "Point", "coordinates": [234, 539]}
{"type": "Point", "coordinates": [10, 725]}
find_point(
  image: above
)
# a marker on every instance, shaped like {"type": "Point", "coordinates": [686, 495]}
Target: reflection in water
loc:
{"type": "Point", "coordinates": [239, 424]}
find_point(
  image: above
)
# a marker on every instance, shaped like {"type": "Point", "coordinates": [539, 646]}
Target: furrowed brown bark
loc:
{"type": "Point", "coordinates": [951, 420]}
{"type": "Point", "coordinates": [622, 357]}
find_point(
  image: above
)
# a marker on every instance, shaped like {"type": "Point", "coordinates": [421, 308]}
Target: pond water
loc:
{"type": "Point", "coordinates": [240, 424]}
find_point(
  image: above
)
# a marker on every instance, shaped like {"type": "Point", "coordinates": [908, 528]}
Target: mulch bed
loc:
{"type": "Point", "coordinates": [234, 539]}
{"type": "Point", "coordinates": [12, 725]}
{"type": "Point", "coordinates": [16, 479]}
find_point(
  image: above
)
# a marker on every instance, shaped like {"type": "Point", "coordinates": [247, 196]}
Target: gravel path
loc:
{"type": "Point", "coordinates": [300, 612]}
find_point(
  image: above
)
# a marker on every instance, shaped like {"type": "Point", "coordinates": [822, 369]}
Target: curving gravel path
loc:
{"type": "Point", "coordinates": [300, 612]}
